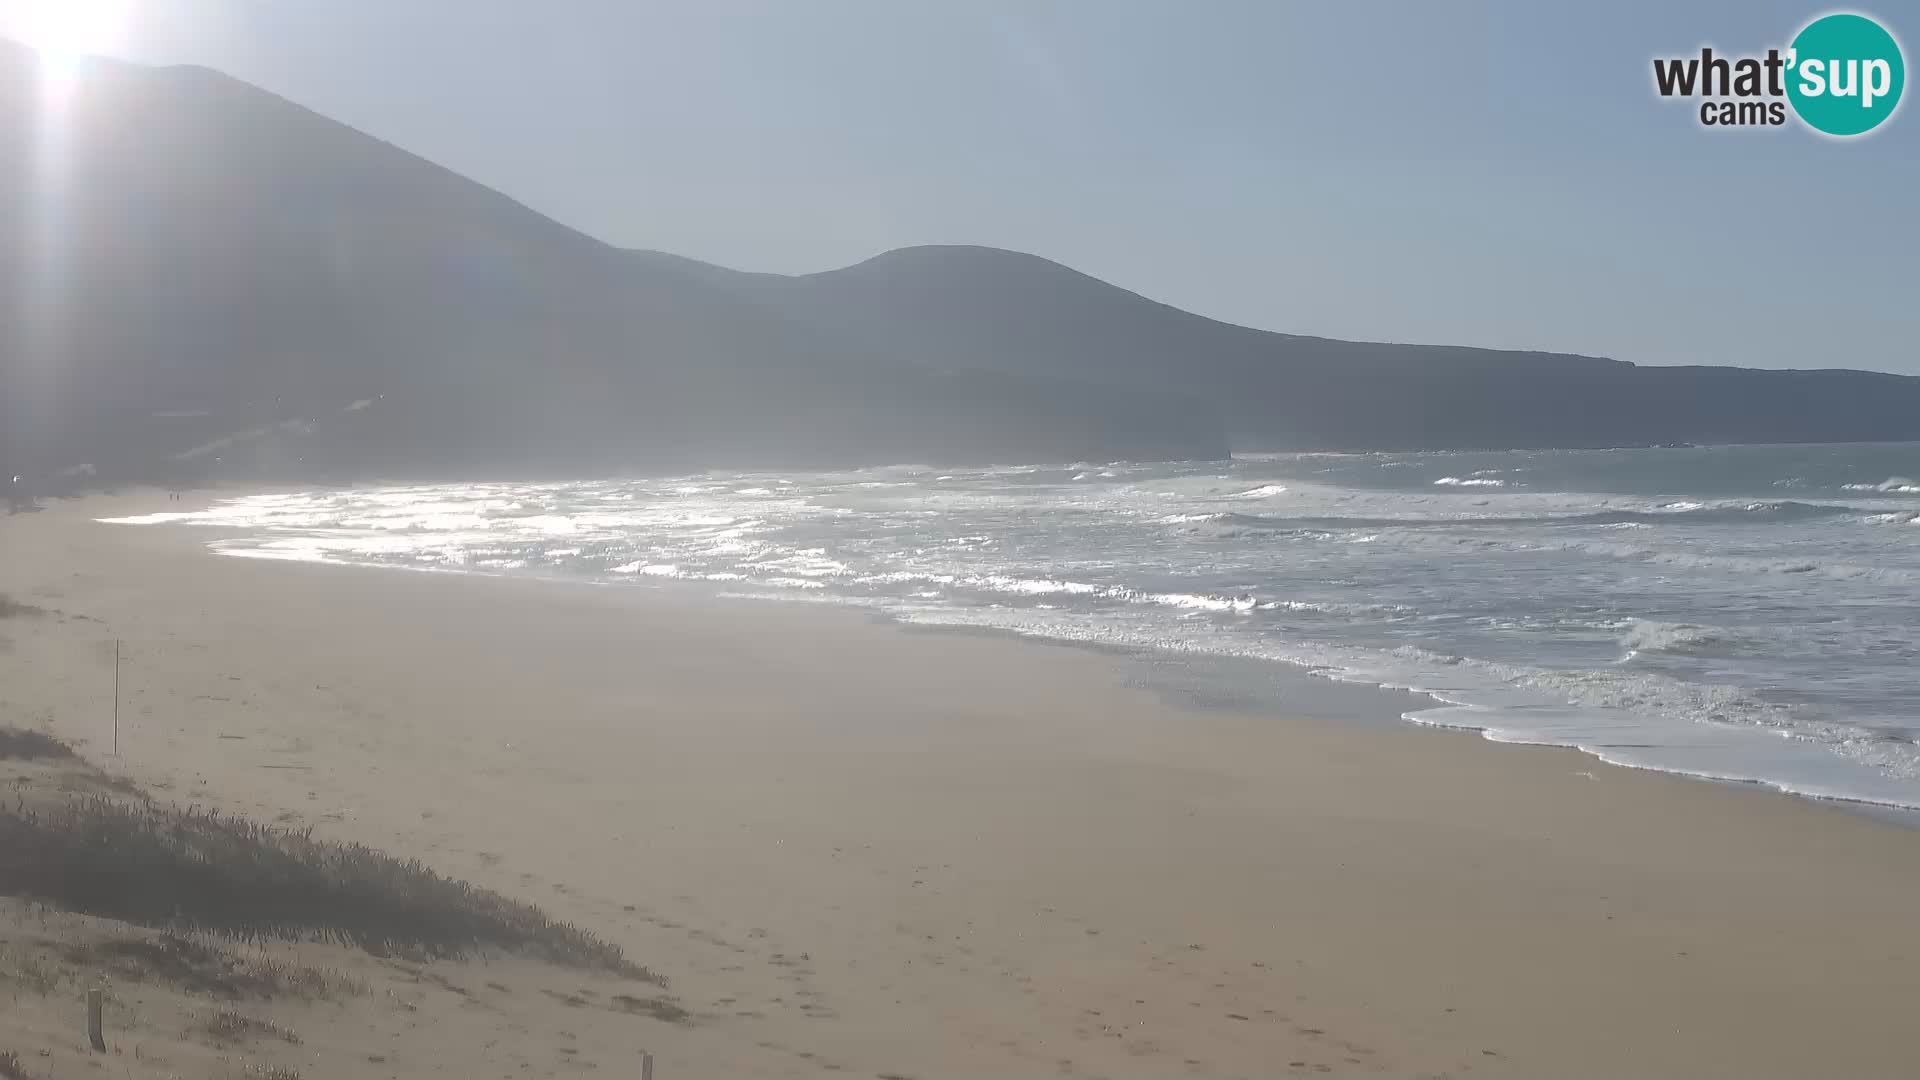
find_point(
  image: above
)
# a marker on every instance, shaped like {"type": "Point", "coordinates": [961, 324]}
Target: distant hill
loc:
{"type": "Point", "coordinates": [976, 307]}
{"type": "Point", "coordinates": [201, 278]}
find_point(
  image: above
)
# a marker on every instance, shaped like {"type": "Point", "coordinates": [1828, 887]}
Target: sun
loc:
{"type": "Point", "coordinates": [65, 30]}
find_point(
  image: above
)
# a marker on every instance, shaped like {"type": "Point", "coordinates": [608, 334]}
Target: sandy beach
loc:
{"type": "Point", "coordinates": [859, 850]}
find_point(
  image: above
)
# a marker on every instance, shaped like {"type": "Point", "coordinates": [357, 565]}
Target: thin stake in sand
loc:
{"type": "Point", "coordinates": [116, 697]}
{"type": "Point", "coordinates": [94, 998]}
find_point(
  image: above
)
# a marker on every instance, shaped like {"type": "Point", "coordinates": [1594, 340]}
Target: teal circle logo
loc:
{"type": "Point", "coordinates": [1845, 74]}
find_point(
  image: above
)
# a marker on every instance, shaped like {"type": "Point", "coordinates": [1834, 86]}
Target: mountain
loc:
{"type": "Point", "coordinates": [198, 270]}
{"type": "Point", "coordinates": [981, 307]}
{"type": "Point", "coordinates": [201, 278]}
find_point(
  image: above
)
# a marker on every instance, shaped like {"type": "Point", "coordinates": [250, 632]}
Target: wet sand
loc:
{"type": "Point", "coordinates": [857, 850]}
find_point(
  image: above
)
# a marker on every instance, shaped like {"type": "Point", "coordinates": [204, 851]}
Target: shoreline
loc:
{"type": "Point", "coordinates": [954, 852]}
{"type": "Point", "coordinates": [1437, 709]}
{"type": "Point", "coordinates": [1389, 695]}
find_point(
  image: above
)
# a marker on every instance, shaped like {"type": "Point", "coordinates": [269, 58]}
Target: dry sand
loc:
{"type": "Point", "coordinates": [864, 851]}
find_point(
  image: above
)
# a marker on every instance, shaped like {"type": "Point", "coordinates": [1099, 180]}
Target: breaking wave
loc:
{"type": "Point", "coordinates": [1650, 636]}
{"type": "Point", "coordinates": [1892, 485]}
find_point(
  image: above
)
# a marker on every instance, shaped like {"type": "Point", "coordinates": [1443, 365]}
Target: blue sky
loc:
{"type": "Point", "coordinates": [1491, 175]}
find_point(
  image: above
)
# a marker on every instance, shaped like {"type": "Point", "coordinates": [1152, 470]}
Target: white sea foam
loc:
{"type": "Point", "coordinates": [1653, 636]}
{"type": "Point", "coordinates": [1192, 601]}
{"type": "Point", "coordinates": [1031, 586]}
{"type": "Point", "coordinates": [1892, 485]}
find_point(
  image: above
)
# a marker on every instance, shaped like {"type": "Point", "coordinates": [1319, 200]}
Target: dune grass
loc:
{"type": "Point", "coordinates": [31, 745]}
{"type": "Point", "coordinates": [204, 967]}
{"type": "Point", "coordinates": [189, 869]}
{"type": "Point", "coordinates": [227, 1026]}
{"type": "Point", "coordinates": [659, 1008]}
{"type": "Point", "coordinates": [10, 608]}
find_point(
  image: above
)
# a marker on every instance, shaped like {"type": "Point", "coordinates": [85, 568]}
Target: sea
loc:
{"type": "Point", "coordinates": [1747, 613]}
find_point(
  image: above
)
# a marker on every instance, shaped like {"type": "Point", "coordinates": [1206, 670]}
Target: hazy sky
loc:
{"type": "Point", "coordinates": [1497, 176]}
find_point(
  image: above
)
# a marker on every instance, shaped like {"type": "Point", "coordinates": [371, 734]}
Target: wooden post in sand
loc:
{"type": "Point", "coordinates": [116, 697]}
{"type": "Point", "coordinates": [646, 1066]}
{"type": "Point", "coordinates": [94, 997]}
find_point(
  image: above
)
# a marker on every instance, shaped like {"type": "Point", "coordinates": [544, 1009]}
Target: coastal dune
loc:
{"type": "Point", "coordinates": [859, 850]}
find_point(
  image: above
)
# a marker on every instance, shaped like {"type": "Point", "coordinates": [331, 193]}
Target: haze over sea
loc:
{"type": "Point", "coordinates": [1742, 612]}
